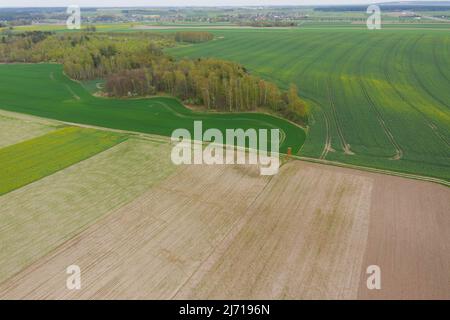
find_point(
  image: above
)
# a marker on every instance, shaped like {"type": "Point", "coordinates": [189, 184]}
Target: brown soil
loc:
{"type": "Point", "coordinates": [309, 232]}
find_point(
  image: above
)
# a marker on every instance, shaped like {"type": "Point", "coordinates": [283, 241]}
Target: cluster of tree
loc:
{"type": "Point", "coordinates": [215, 84]}
{"type": "Point", "coordinates": [193, 36]}
{"type": "Point", "coordinates": [135, 65]}
{"type": "Point", "coordinates": [35, 36]}
{"type": "Point", "coordinates": [84, 55]}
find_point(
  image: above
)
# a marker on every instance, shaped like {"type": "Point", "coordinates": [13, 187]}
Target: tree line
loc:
{"type": "Point", "coordinates": [216, 84]}
{"type": "Point", "coordinates": [136, 65]}
{"type": "Point", "coordinates": [268, 23]}
{"type": "Point", "coordinates": [84, 55]}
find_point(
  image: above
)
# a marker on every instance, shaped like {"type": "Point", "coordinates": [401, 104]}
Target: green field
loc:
{"type": "Point", "coordinates": [42, 90]}
{"type": "Point", "coordinates": [34, 159]}
{"type": "Point", "coordinates": [379, 98]}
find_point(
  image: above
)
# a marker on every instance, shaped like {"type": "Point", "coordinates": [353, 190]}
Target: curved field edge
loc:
{"type": "Point", "coordinates": [43, 90]}
{"type": "Point", "coordinates": [165, 140]}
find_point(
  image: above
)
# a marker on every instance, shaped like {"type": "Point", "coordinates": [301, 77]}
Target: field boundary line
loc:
{"type": "Point", "coordinates": [164, 139]}
{"type": "Point", "coordinates": [157, 138]}
{"type": "Point", "coordinates": [374, 170]}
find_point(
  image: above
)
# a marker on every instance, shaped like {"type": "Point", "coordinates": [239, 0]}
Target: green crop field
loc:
{"type": "Point", "coordinates": [42, 90]}
{"type": "Point", "coordinates": [379, 98]}
{"type": "Point", "coordinates": [34, 159]}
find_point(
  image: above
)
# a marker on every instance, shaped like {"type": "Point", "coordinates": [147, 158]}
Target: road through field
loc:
{"type": "Point", "coordinates": [226, 232]}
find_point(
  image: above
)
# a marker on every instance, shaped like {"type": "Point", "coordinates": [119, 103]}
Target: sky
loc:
{"type": "Point", "coordinates": [142, 3]}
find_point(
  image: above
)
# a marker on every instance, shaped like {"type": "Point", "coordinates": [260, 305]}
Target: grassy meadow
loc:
{"type": "Point", "coordinates": [379, 98]}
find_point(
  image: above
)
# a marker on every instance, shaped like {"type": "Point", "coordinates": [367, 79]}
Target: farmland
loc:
{"type": "Point", "coordinates": [308, 233]}
{"type": "Point", "coordinates": [140, 228]}
{"type": "Point", "coordinates": [87, 176]}
{"type": "Point", "coordinates": [43, 90]}
{"type": "Point", "coordinates": [53, 209]}
{"type": "Point", "coordinates": [379, 99]}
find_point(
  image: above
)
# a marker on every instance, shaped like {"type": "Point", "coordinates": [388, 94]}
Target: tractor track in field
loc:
{"type": "Point", "coordinates": [387, 131]}
{"type": "Point", "coordinates": [417, 78]}
{"type": "Point", "coordinates": [331, 98]}
{"type": "Point", "coordinates": [74, 95]}
{"type": "Point", "coordinates": [327, 145]}
{"type": "Point", "coordinates": [437, 63]}
{"type": "Point", "coordinates": [427, 121]}
{"type": "Point", "coordinates": [398, 149]}
{"type": "Point", "coordinates": [344, 144]}
{"type": "Point", "coordinates": [434, 127]}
